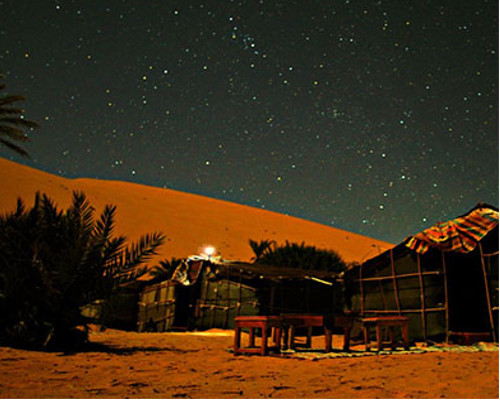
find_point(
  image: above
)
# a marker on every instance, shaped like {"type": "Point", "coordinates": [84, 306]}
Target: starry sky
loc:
{"type": "Point", "coordinates": [378, 117]}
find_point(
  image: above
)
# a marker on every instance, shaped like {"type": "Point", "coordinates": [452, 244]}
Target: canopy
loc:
{"type": "Point", "coordinates": [461, 234]}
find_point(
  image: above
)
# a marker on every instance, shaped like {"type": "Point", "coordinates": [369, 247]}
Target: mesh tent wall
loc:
{"type": "Point", "coordinates": [223, 291]}
{"type": "Point", "coordinates": [442, 292]}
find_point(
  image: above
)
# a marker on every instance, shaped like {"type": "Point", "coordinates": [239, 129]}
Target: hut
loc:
{"type": "Point", "coordinates": [207, 293]}
{"type": "Point", "coordinates": [444, 278]}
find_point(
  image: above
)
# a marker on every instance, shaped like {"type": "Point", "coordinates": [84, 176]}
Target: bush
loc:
{"type": "Point", "coordinates": [165, 270]}
{"type": "Point", "coordinates": [293, 255]}
{"type": "Point", "coordinates": [53, 263]}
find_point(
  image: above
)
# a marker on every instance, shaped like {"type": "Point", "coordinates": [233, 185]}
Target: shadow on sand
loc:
{"type": "Point", "coordinates": [92, 347]}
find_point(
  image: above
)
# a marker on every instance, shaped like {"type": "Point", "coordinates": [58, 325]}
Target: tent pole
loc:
{"type": "Point", "coordinates": [226, 317]}
{"type": "Point", "coordinates": [487, 290]}
{"type": "Point", "coordinates": [308, 294]}
{"type": "Point", "coordinates": [394, 283]}
{"type": "Point", "coordinates": [204, 312]}
{"type": "Point", "coordinates": [446, 305]}
{"type": "Point", "coordinates": [381, 287]}
{"type": "Point", "coordinates": [361, 290]}
{"type": "Point", "coordinates": [422, 297]}
{"type": "Point", "coordinates": [238, 306]}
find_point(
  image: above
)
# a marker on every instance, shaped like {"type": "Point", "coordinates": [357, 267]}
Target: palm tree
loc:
{"type": "Point", "coordinates": [261, 248]}
{"type": "Point", "coordinates": [53, 263]}
{"type": "Point", "coordinates": [165, 270]}
{"type": "Point", "coordinates": [13, 126]}
{"type": "Point", "coordinates": [294, 255]}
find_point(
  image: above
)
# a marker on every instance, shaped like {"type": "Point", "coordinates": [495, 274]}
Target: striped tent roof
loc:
{"type": "Point", "coordinates": [460, 234]}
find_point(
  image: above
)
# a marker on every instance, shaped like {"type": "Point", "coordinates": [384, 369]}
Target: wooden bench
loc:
{"type": "Point", "coordinates": [265, 324]}
{"type": "Point", "coordinates": [387, 323]}
{"type": "Point", "coordinates": [338, 321]}
{"type": "Point", "coordinates": [293, 321]}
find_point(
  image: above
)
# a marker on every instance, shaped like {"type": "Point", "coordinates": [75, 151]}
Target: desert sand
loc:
{"type": "Point", "coordinates": [190, 365]}
{"type": "Point", "coordinates": [189, 221]}
{"type": "Point", "coordinates": [199, 365]}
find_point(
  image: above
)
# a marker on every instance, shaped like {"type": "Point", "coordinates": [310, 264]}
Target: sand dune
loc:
{"type": "Point", "coordinates": [189, 221]}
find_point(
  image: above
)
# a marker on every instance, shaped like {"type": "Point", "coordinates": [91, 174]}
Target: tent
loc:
{"type": "Point", "coordinates": [444, 278]}
{"type": "Point", "coordinates": [208, 294]}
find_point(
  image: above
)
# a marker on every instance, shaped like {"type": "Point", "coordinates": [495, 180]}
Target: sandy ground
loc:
{"type": "Point", "coordinates": [189, 365]}
{"type": "Point", "coordinates": [190, 222]}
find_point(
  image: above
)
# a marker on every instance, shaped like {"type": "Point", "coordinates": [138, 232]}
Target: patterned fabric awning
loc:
{"type": "Point", "coordinates": [460, 234]}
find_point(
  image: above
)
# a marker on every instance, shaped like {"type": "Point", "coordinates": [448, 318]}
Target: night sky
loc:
{"type": "Point", "coordinates": [378, 117]}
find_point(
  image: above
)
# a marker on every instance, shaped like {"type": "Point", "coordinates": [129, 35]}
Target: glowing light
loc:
{"type": "Point", "coordinates": [209, 251]}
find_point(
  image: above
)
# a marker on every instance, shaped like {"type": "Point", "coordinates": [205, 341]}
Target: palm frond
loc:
{"type": "Point", "coordinates": [11, 110]}
{"type": "Point", "coordinates": [261, 248]}
{"type": "Point", "coordinates": [11, 99]}
{"type": "Point", "coordinates": [14, 147]}
{"type": "Point", "coordinates": [141, 251]}
{"type": "Point", "coordinates": [12, 123]}
{"type": "Point", "coordinates": [16, 121]}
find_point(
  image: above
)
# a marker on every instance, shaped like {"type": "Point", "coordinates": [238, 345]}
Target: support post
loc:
{"type": "Point", "coordinates": [361, 290]}
{"type": "Point", "coordinates": [394, 283]}
{"type": "Point", "coordinates": [422, 297]}
{"type": "Point", "coordinates": [446, 305]}
{"type": "Point", "coordinates": [487, 290]}
{"type": "Point", "coordinates": [228, 307]}
{"type": "Point", "coordinates": [238, 306]}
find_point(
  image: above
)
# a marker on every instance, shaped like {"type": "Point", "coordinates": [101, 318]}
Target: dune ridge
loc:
{"type": "Point", "coordinates": [189, 221]}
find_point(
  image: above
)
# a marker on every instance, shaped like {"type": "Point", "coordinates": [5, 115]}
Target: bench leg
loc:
{"type": "Point", "coordinates": [379, 338]}
{"type": "Point", "coordinates": [309, 337]}
{"type": "Point", "coordinates": [277, 338]}
{"type": "Point", "coordinates": [392, 338]}
{"type": "Point", "coordinates": [347, 338]}
{"type": "Point", "coordinates": [251, 337]}
{"type": "Point", "coordinates": [328, 340]}
{"type": "Point", "coordinates": [263, 347]}
{"type": "Point", "coordinates": [366, 336]}
{"type": "Point", "coordinates": [405, 336]}
{"type": "Point", "coordinates": [292, 337]}
{"type": "Point", "coordinates": [286, 336]}
{"type": "Point", "coordinates": [237, 339]}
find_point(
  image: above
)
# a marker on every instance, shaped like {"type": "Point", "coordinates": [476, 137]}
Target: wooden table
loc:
{"type": "Point", "coordinates": [337, 321]}
{"type": "Point", "coordinates": [293, 321]}
{"type": "Point", "coordinates": [387, 323]}
{"type": "Point", "coordinates": [265, 323]}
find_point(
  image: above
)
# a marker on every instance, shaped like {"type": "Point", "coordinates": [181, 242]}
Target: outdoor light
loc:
{"type": "Point", "coordinates": [209, 251]}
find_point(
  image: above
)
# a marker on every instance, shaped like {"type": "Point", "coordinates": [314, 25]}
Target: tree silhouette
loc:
{"type": "Point", "coordinates": [293, 255]}
{"type": "Point", "coordinates": [52, 263]}
{"type": "Point", "coordinates": [13, 126]}
{"type": "Point", "coordinates": [260, 248]}
{"type": "Point", "coordinates": [165, 270]}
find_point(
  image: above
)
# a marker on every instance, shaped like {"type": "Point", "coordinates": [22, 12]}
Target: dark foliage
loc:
{"type": "Point", "coordinates": [165, 270]}
{"type": "Point", "coordinates": [261, 248]}
{"type": "Point", "coordinates": [293, 255]}
{"type": "Point", "coordinates": [52, 263]}
{"type": "Point", "coordinates": [12, 124]}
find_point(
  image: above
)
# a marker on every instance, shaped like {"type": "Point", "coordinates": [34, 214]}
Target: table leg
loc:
{"type": "Point", "coordinates": [328, 340]}
{"type": "Point", "coordinates": [347, 338]}
{"type": "Point", "coordinates": [379, 337]}
{"type": "Point", "coordinates": [285, 336]}
{"type": "Point", "coordinates": [391, 336]}
{"type": "Point", "coordinates": [277, 337]}
{"type": "Point", "coordinates": [292, 337]}
{"type": "Point", "coordinates": [309, 337]}
{"type": "Point", "coordinates": [367, 338]}
{"type": "Point", "coordinates": [251, 337]}
{"type": "Point", "coordinates": [405, 336]}
{"type": "Point", "coordinates": [263, 347]}
{"type": "Point", "coordinates": [237, 339]}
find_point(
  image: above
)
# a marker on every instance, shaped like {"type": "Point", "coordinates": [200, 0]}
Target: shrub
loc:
{"type": "Point", "coordinates": [293, 255]}
{"type": "Point", "coordinates": [52, 263]}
